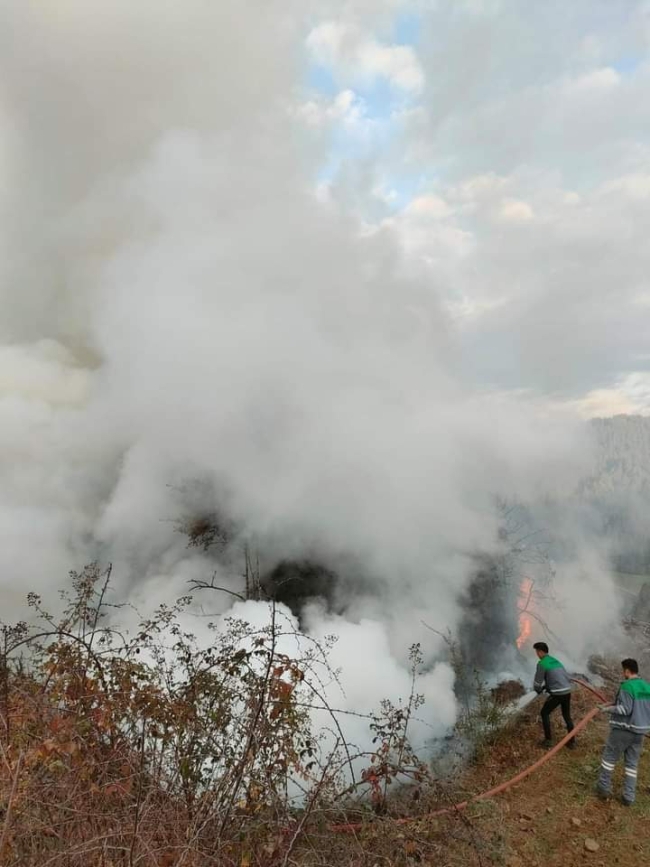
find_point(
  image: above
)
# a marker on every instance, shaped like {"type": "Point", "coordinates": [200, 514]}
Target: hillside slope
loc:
{"type": "Point", "coordinates": [544, 821]}
{"type": "Point", "coordinates": [616, 492]}
{"type": "Point", "coordinates": [622, 456]}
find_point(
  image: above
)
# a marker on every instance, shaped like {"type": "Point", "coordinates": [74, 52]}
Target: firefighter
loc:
{"type": "Point", "coordinates": [551, 677]}
{"type": "Point", "coordinates": [629, 722]}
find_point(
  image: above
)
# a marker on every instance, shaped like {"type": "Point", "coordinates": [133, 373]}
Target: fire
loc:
{"type": "Point", "coordinates": [525, 628]}
{"type": "Point", "coordinates": [525, 620]}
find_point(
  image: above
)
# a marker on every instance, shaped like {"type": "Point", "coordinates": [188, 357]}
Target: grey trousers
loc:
{"type": "Point", "coordinates": [629, 745]}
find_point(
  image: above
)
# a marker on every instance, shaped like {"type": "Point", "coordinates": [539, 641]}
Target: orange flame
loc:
{"type": "Point", "coordinates": [525, 620]}
{"type": "Point", "coordinates": [525, 628]}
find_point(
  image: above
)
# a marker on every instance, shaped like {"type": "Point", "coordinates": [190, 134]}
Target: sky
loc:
{"type": "Point", "coordinates": [509, 146]}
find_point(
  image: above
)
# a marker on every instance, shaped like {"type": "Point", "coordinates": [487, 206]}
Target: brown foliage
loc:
{"type": "Point", "coordinates": [153, 750]}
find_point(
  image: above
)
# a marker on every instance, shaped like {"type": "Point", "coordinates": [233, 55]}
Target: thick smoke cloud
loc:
{"type": "Point", "coordinates": [179, 305]}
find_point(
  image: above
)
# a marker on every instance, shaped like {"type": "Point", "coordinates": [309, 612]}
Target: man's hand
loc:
{"type": "Point", "coordinates": [605, 708]}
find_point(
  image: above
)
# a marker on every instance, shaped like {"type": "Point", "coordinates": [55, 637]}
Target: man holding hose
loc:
{"type": "Point", "coordinates": [630, 722]}
{"type": "Point", "coordinates": [551, 677]}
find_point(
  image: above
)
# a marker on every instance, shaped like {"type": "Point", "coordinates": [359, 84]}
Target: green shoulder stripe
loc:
{"type": "Point", "coordinates": [549, 662]}
{"type": "Point", "coordinates": [639, 689]}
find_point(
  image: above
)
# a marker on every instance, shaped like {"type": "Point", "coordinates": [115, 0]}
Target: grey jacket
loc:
{"type": "Point", "coordinates": [551, 677]}
{"type": "Point", "coordinates": [631, 708]}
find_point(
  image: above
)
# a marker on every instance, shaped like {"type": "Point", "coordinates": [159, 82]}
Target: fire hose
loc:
{"type": "Point", "coordinates": [352, 827]}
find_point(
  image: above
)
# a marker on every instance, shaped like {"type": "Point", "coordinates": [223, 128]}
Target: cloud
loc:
{"type": "Point", "coordinates": [552, 282]}
{"type": "Point", "coordinates": [345, 108]}
{"type": "Point", "coordinates": [428, 206]}
{"type": "Point", "coordinates": [513, 211]}
{"type": "Point", "coordinates": [355, 56]}
{"type": "Point", "coordinates": [594, 82]}
{"type": "Point", "coordinates": [539, 146]}
{"type": "Point", "coordinates": [510, 88]}
{"type": "Point", "coordinates": [631, 396]}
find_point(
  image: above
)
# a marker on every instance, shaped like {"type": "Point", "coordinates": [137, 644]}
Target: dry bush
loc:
{"type": "Point", "coordinates": [150, 749]}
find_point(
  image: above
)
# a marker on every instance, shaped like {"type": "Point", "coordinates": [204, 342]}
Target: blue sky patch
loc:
{"type": "Point", "coordinates": [407, 29]}
{"type": "Point", "coordinates": [381, 102]}
{"type": "Point", "coordinates": [321, 78]}
{"type": "Point", "coordinates": [627, 65]}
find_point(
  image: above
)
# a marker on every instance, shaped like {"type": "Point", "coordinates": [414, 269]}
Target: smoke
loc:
{"type": "Point", "coordinates": [178, 305]}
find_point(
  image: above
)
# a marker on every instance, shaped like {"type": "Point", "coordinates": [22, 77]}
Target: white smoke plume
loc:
{"type": "Point", "coordinates": [178, 304]}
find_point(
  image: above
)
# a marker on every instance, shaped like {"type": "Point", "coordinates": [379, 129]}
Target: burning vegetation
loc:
{"type": "Point", "coordinates": [525, 619]}
{"type": "Point", "coordinates": [122, 749]}
{"type": "Point", "coordinates": [508, 692]}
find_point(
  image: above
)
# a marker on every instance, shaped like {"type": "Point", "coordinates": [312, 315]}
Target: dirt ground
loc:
{"type": "Point", "coordinates": [551, 818]}
{"type": "Point", "coordinates": [548, 817]}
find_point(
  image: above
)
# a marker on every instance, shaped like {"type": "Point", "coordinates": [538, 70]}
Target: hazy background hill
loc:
{"type": "Point", "coordinates": [623, 456]}
{"type": "Point", "coordinates": [619, 489]}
